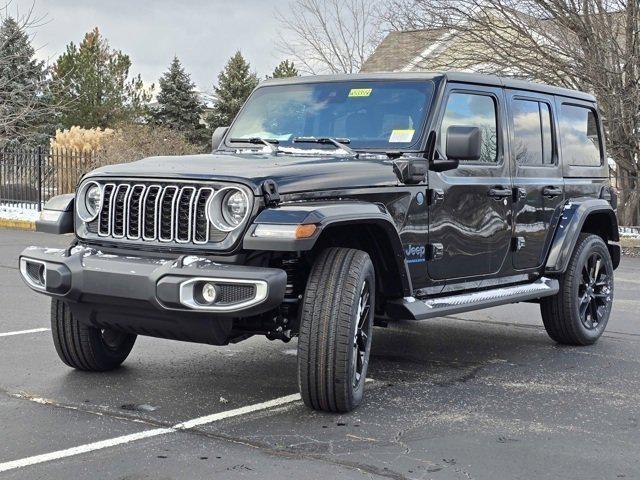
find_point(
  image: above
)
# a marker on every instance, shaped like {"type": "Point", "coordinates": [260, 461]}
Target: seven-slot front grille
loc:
{"type": "Point", "coordinates": [154, 212]}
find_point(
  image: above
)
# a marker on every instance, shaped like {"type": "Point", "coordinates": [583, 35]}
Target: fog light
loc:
{"type": "Point", "coordinates": [209, 293]}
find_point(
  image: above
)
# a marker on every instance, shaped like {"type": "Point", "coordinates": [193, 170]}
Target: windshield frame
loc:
{"type": "Point", "coordinates": [416, 146]}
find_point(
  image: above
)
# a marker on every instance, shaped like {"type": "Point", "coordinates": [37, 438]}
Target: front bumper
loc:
{"type": "Point", "coordinates": [85, 275]}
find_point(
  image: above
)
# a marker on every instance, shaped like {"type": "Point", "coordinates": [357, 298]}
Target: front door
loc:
{"type": "Point", "coordinates": [470, 213]}
{"type": "Point", "coordinates": [538, 183]}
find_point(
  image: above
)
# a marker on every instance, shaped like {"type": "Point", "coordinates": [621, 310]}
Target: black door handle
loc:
{"type": "Point", "coordinates": [499, 192]}
{"type": "Point", "coordinates": [551, 192]}
{"type": "Point", "coordinates": [519, 193]}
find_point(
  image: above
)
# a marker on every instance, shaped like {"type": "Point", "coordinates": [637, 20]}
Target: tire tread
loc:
{"type": "Point", "coordinates": [325, 329]}
{"type": "Point", "coordinates": [79, 346]}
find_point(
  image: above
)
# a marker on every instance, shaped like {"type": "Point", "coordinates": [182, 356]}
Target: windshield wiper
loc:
{"type": "Point", "coordinates": [269, 142]}
{"type": "Point", "coordinates": [337, 142]}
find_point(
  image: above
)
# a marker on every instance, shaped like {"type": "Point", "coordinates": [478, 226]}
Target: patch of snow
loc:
{"type": "Point", "coordinates": [12, 212]}
{"type": "Point", "coordinates": [630, 232]}
{"type": "Point", "coordinates": [194, 260]}
{"type": "Point", "coordinates": [191, 259]}
{"type": "Point", "coordinates": [314, 151]}
{"type": "Point", "coordinates": [296, 151]}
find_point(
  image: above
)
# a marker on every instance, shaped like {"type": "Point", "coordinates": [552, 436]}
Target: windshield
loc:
{"type": "Point", "coordinates": [385, 115]}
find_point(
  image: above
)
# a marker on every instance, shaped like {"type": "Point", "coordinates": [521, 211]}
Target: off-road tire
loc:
{"type": "Point", "coordinates": [329, 330]}
{"type": "Point", "coordinates": [85, 347]}
{"type": "Point", "coordinates": [561, 312]}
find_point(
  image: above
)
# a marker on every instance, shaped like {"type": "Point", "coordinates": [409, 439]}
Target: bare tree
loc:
{"type": "Point", "coordinates": [329, 36]}
{"type": "Point", "coordinates": [592, 45]}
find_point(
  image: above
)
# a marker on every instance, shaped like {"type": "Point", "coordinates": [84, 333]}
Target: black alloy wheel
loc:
{"type": "Point", "coordinates": [578, 314]}
{"type": "Point", "coordinates": [594, 291]}
{"type": "Point", "coordinates": [361, 342]}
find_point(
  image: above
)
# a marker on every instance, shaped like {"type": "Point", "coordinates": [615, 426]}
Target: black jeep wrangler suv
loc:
{"type": "Point", "coordinates": [333, 204]}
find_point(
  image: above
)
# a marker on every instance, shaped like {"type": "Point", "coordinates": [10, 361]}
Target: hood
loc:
{"type": "Point", "coordinates": [292, 173]}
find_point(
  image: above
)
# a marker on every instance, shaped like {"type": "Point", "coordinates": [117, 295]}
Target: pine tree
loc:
{"type": "Point", "coordinates": [92, 82]}
{"type": "Point", "coordinates": [179, 107]}
{"type": "Point", "coordinates": [285, 69]}
{"type": "Point", "coordinates": [235, 83]}
{"type": "Point", "coordinates": [25, 110]}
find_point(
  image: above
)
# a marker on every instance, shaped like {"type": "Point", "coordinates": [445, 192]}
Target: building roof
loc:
{"type": "Point", "coordinates": [458, 77]}
{"type": "Point", "coordinates": [398, 49]}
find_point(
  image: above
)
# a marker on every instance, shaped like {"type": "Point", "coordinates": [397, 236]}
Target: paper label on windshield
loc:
{"type": "Point", "coordinates": [401, 136]}
{"type": "Point", "coordinates": [360, 92]}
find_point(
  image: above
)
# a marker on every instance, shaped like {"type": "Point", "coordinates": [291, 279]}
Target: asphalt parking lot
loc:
{"type": "Point", "coordinates": [484, 395]}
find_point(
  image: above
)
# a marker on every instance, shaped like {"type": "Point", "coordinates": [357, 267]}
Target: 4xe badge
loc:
{"type": "Point", "coordinates": [415, 253]}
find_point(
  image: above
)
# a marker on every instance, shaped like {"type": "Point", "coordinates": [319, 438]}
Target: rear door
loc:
{"type": "Point", "coordinates": [470, 212]}
{"type": "Point", "coordinates": [537, 181]}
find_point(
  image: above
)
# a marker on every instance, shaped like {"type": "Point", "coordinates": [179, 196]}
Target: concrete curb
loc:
{"type": "Point", "coordinates": [17, 224]}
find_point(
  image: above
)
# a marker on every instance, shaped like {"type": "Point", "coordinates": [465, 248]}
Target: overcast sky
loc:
{"type": "Point", "coordinates": [203, 33]}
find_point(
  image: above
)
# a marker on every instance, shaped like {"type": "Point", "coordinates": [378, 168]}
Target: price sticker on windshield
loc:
{"type": "Point", "coordinates": [360, 92]}
{"type": "Point", "coordinates": [401, 136]}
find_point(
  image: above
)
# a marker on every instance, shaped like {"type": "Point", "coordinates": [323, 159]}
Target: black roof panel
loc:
{"type": "Point", "coordinates": [462, 77]}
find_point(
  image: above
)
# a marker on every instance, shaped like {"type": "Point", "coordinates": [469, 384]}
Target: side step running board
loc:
{"type": "Point", "coordinates": [414, 309]}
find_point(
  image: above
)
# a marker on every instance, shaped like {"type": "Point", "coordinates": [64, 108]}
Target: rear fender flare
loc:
{"type": "Point", "coordinates": [572, 220]}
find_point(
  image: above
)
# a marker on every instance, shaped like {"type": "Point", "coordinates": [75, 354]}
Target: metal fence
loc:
{"type": "Point", "coordinates": [30, 177]}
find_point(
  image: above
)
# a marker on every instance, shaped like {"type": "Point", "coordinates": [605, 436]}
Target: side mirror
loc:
{"type": "Point", "coordinates": [463, 143]}
{"type": "Point", "coordinates": [217, 137]}
{"type": "Point", "coordinates": [443, 164]}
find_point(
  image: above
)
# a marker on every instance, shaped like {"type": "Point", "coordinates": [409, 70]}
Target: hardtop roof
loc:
{"type": "Point", "coordinates": [458, 77]}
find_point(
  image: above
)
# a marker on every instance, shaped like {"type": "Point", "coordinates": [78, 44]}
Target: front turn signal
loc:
{"type": "Point", "coordinates": [291, 232]}
{"type": "Point", "coordinates": [305, 231]}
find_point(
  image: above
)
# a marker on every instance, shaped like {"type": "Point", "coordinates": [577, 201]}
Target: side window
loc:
{"type": "Point", "coordinates": [533, 142]}
{"type": "Point", "coordinates": [580, 136]}
{"type": "Point", "coordinates": [473, 110]}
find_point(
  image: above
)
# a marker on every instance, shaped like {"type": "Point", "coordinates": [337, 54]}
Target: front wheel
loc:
{"type": "Point", "coordinates": [579, 313]}
{"type": "Point", "coordinates": [335, 330]}
{"type": "Point", "coordinates": [85, 347]}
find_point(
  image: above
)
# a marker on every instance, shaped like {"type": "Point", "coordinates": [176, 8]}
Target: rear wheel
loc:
{"type": "Point", "coordinates": [335, 330]}
{"type": "Point", "coordinates": [579, 313]}
{"type": "Point", "coordinates": [85, 347]}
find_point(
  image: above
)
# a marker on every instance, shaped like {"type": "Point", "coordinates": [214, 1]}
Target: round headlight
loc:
{"type": "Point", "coordinates": [88, 201]}
{"type": "Point", "coordinates": [228, 209]}
{"type": "Point", "coordinates": [234, 208]}
{"type": "Point", "coordinates": [92, 199]}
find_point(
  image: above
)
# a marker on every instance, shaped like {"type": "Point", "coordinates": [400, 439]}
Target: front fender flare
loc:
{"type": "Point", "coordinates": [326, 215]}
{"type": "Point", "coordinates": [572, 220]}
{"type": "Point", "coordinates": [57, 215]}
